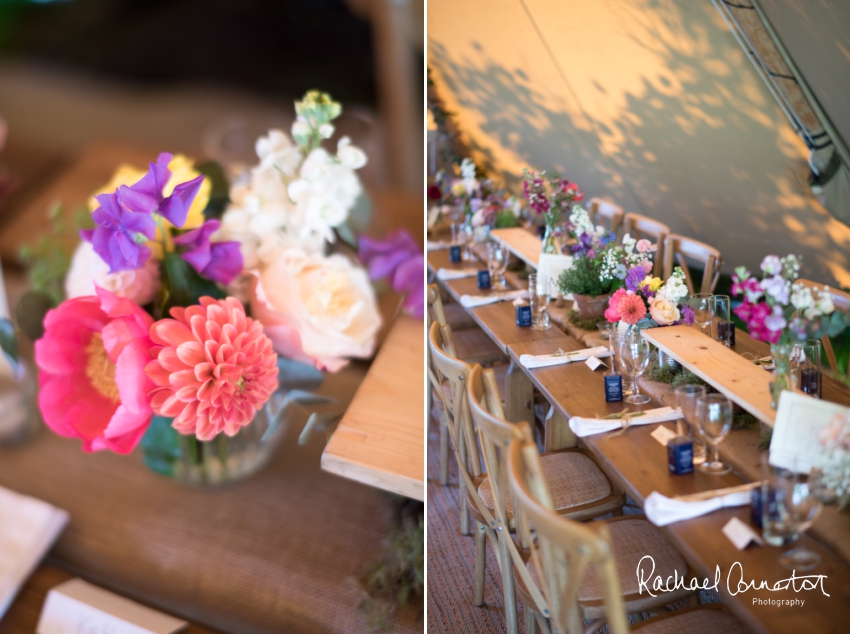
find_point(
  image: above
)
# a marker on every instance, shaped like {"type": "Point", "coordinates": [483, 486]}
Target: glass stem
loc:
{"type": "Point", "coordinates": [715, 457]}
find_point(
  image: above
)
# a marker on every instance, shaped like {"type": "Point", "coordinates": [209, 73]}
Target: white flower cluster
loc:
{"type": "Point", "coordinates": [296, 195]}
{"type": "Point", "coordinates": [581, 221]}
{"type": "Point", "coordinates": [835, 460]}
{"type": "Point", "coordinates": [814, 304]}
{"type": "Point", "coordinates": [675, 289]}
{"type": "Point", "coordinates": [467, 172]}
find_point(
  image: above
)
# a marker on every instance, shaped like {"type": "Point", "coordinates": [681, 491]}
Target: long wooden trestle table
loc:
{"type": "Point", "coordinates": [637, 462]}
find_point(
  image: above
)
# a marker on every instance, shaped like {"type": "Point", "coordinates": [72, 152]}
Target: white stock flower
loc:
{"type": "Point", "coordinates": [277, 150]}
{"type": "Point", "coordinates": [467, 169]}
{"type": "Point", "coordinates": [300, 130]}
{"type": "Point", "coordinates": [801, 297]}
{"type": "Point", "coordinates": [326, 130]}
{"type": "Point", "coordinates": [350, 155]}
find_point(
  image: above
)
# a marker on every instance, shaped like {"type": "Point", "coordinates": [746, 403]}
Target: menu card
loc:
{"type": "Point", "coordinates": [799, 418]}
{"type": "Point", "coordinates": [551, 266]}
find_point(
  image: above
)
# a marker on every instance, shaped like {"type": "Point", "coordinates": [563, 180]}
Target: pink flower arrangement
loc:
{"type": "Point", "coordinates": [92, 359]}
{"type": "Point", "coordinates": [631, 308]}
{"type": "Point", "coordinates": [648, 302]}
{"type": "Point", "coordinates": [214, 368]}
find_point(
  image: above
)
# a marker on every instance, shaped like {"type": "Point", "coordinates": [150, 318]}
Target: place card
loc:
{"type": "Point", "coordinates": [799, 418]}
{"type": "Point", "coordinates": [663, 435]}
{"type": "Point", "coordinates": [594, 363]}
{"type": "Point", "coordinates": [740, 534]}
{"type": "Point", "coordinates": [77, 607]}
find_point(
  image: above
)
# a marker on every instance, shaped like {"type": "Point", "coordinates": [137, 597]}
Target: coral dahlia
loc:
{"type": "Point", "coordinates": [214, 368]}
{"type": "Point", "coordinates": [631, 308]}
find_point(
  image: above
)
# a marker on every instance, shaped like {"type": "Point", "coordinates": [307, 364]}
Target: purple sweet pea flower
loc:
{"type": "Point", "coordinates": [775, 321]}
{"type": "Point", "coordinates": [120, 234]}
{"type": "Point", "coordinates": [687, 315]}
{"type": "Point", "coordinates": [146, 195]}
{"type": "Point", "coordinates": [634, 277]}
{"type": "Point", "coordinates": [399, 258]}
{"type": "Point", "coordinates": [217, 261]}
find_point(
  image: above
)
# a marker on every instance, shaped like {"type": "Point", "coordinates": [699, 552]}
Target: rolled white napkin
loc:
{"type": "Point", "coordinates": [661, 510]}
{"type": "Point", "coordinates": [473, 301]}
{"type": "Point", "coordinates": [455, 274]}
{"type": "Point", "coordinates": [430, 245]}
{"type": "Point", "coordinates": [545, 360]}
{"type": "Point", "coordinates": [588, 426]}
{"type": "Point", "coordinates": [28, 528]}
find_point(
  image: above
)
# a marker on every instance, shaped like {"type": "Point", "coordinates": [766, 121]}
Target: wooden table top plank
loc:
{"type": "Point", "coordinates": [521, 242]}
{"type": "Point", "coordinates": [380, 440]}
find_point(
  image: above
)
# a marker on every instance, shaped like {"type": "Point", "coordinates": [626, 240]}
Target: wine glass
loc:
{"type": "Point", "coordinates": [538, 289]}
{"type": "Point", "coordinates": [468, 236]}
{"type": "Point", "coordinates": [799, 507]}
{"type": "Point", "coordinates": [703, 309]}
{"type": "Point", "coordinates": [714, 417]}
{"type": "Point", "coordinates": [497, 264]}
{"type": "Point", "coordinates": [635, 350]}
{"type": "Point", "coordinates": [615, 341]}
{"type": "Point", "coordinates": [686, 400]}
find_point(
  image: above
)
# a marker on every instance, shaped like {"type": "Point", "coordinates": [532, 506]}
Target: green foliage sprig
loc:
{"type": "Point", "coordinates": [583, 278]}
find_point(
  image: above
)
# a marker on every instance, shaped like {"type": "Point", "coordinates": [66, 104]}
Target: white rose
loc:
{"type": "Point", "coordinates": [663, 311]}
{"type": "Point", "coordinates": [349, 155]}
{"type": "Point", "coordinates": [87, 268]}
{"type": "Point", "coordinates": [327, 301]}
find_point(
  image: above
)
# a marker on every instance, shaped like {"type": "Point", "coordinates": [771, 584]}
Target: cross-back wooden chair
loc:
{"type": "Point", "coordinates": [560, 566]}
{"type": "Point", "coordinates": [607, 214]}
{"type": "Point", "coordinates": [436, 316]}
{"type": "Point", "coordinates": [640, 227]}
{"type": "Point", "coordinates": [841, 301]}
{"type": "Point", "coordinates": [470, 344]}
{"type": "Point", "coordinates": [678, 249]}
{"type": "Point", "coordinates": [582, 490]}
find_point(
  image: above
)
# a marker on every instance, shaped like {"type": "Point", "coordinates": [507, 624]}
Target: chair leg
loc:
{"type": "Point", "coordinates": [444, 448]}
{"type": "Point", "coordinates": [464, 511]}
{"type": "Point", "coordinates": [530, 621]}
{"type": "Point", "coordinates": [541, 623]}
{"type": "Point", "coordinates": [508, 586]}
{"type": "Point", "coordinates": [480, 563]}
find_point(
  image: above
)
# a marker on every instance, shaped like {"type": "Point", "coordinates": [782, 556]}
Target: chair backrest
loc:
{"type": "Point", "coordinates": [436, 314]}
{"type": "Point", "coordinates": [567, 547]}
{"type": "Point", "coordinates": [642, 227]}
{"type": "Point", "coordinates": [609, 215]}
{"type": "Point", "coordinates": [841, 301]}
{"type": "Point", "coordinates": [678, 249]}
{"type": "Point", "coordinates": [460, 422]}
{"type": "Point", "coordinates": [494, 431]}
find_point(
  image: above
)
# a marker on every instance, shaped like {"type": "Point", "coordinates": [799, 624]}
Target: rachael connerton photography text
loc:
{"type": "Point", "coordinates": [736, 583]}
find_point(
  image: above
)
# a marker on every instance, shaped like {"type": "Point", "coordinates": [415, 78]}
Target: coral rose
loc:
{"type": "Point", "coordinates": [317, 308]}
{"type": "Point", "coordinates": [214, 368]}
{"type": "Point", "coordinates": [92, 361]}
{"type": "Point", "coordinates": [631, 309]}
{"type": "Point", "coordinates": [663, 311]}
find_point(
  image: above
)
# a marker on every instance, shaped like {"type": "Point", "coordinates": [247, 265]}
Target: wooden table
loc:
{"type": "Point", "coordinates": [381, 438]}
{"type": "Point", "coordinates": [22, 617]}
{"type": "Point", "coordinates": [521, 242]}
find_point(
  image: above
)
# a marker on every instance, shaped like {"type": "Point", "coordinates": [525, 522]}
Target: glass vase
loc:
{"type": "Point", "coordinates": [783, 378]}
{"type": "Point", "coordinates": [19, 417]}
{"type": "Point", "coordinates": [551, 242]}
{"type": "Point", "coordinates": [220, 460]}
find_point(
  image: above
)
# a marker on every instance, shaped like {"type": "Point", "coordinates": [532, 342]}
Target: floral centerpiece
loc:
{"type": "Point", "coordinates": [182, 331]}
{"type": "Point", "coordinates": [549, 197]}
{"type": "Point", "coordinates": [600, 265]}
{"type": "Point", "coordinates": [649, 302]}
{"type": "Point", "coordinates": [782, 312]}
{"type": "Point", "coordinates": [835, 460]}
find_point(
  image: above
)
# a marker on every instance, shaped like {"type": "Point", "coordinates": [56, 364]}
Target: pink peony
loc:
{"type": "Point", "coordinates": [92, 361]}
{"type": "Point", "coordinates": [611, 313]}
{"type": "Point", "coordinates": [631, 309]}
{"type": "Point", "coordinates": [214, 368]}
{"type": "Point", "coordinates": [645, 246]}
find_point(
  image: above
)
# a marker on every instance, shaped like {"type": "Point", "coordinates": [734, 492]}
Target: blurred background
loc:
{"type": "Point", "coordinates": [205, 79]}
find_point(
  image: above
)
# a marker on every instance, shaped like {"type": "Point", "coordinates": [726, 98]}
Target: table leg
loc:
{"type": "Point", "coordinates": [519, 400]}
{"type": "Point", "coordinates": [557, 434]}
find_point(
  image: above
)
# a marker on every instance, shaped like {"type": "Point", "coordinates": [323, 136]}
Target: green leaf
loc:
{"type": "Point", "coordinates": [30, 312]}
{"type": "Point", "coordinates": [317, 422]}
{"type": "Point", "coordinates": [294, 396]}
{"type": "Point", "coordinates": [183, 285]}
{"type": "Point", "coordinates": [219, 190]}
{"type": "Point", "coordinates": [161, 444]}
{"type": "Point", "coordinates": [361, 214]}
{"type": "Point", "coordinates": [293, 374]}
{"type": "Point", "coordinates": [346, 235]}
{"type": "Point", "coordinates": [9, 342]}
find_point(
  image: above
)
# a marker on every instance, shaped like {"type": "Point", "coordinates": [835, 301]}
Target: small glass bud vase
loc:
{"type": "Point", "coordinates": [19, 418]}
{"type": "Point", "coordinates": [551, 242]}
{"type": "Point", "coordinates": [783, 378]}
